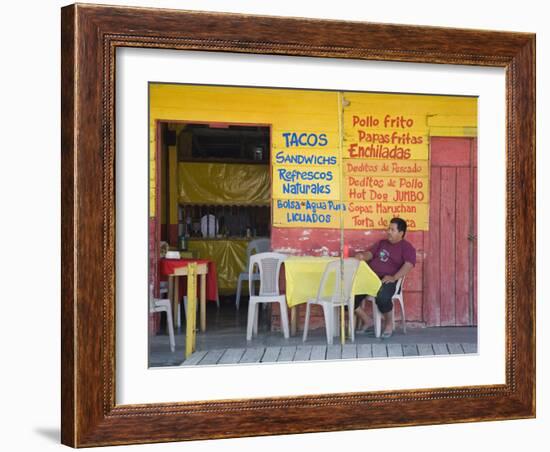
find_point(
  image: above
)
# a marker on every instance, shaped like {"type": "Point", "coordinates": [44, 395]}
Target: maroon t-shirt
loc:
{"type": "Point", "coordinates": [388, 258]}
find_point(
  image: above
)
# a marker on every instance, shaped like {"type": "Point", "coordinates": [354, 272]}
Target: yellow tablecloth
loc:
{"type": "Point", "coordinates": [303, 276]}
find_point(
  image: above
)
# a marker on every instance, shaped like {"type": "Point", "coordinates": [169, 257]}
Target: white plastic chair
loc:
{"type": "Point", "coordinates": [254, 247]}
{"type": "Point", "coordinates": [163, 288]}
{"type": "Point", "coordinates": [337, 298]}
{"type": "Point", "coordinates": [377, 315]}
{"type": "Point", "coordinates": [163, 305]}
{"type": "Point", "coordinates": [269, 265]}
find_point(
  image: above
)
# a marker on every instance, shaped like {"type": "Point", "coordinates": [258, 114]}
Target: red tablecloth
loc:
{"type": "Point", "coordinates": [168, 266]}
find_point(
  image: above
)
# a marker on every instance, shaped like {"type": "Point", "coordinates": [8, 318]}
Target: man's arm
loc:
{"type": "Point", "coordinates": [364, 255]}
{"type": "Point", "coordinates": [405, 268]}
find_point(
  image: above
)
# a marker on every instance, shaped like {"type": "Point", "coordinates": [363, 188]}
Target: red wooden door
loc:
{"type": "Point", "coordinates": [450, 280]}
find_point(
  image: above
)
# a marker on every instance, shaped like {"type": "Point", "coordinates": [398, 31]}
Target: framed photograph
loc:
{"type": "Point", "coordinates": [296, 183]}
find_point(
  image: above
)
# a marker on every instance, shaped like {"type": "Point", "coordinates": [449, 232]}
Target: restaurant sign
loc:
{"type": "Point", "coordinates": [378, 170]}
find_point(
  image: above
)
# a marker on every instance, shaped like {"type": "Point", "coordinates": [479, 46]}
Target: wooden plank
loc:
{"type": "Point", "coordinates": [379, 351]}
{"type": "Point", "coordinates": [318, 353]}
{"type": "Point", "coordinates": [252, 355]}
{"type": "Point", "coordinates": [364, 350]}
{"type": "Point", "coordinates": [212, 357]}
{"type": "Point", "coordinates": [231, 356]}
{"type": "Point", "coordinates": [349, 351]}
{"type": "Point", "coordinates": [395, 350]}
{"type": "Point", "coordinates": [271, 354]}
{"type": "Point", "coordinates": [425, 349]}
{"type": "Point", "coordinates": [303, 352]}
{"type": "Point", "coordinates": [334, 351]}
{"type": "Point", "coordinates": [410, 350]}
{"type": "Point", "coordinates": [468, 347]}
{"type": "Point", "coordinates": [287, 353]}
{"type": "Point", "coordinates": [440, 349]}
{"type": "Point", "coordinates": [431, 304]}
{"type": "Point", "coordinates": [462, 228]}
{"type": "Point", "coordinates": [194, 359]}
{"type": "Point", "coordinates": [455, 349]}
{"type": "Point", "coordinates": [191, 320]}
{"type": "Point", "coordinates": [172, 190]}
{"type": "Point", "coordinates": [447, 268]}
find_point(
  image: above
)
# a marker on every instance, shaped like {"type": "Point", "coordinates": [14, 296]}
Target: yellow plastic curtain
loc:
{"type": "Point", "coordinates": [223, 184]}
{"type": "Point", "coordinates": [230, 258]}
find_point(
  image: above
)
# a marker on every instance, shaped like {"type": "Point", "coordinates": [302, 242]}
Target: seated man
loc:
{"type": "Point", "coordinates": [391, 259]}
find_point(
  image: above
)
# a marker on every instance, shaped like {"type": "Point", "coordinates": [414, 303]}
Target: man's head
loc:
{"type": "Point", "coordinates": [396, 230]}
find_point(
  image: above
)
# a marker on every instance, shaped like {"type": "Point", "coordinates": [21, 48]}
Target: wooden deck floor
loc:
{"type": "Point", "coordinates": [224, 342]}
{"type": "Point", "coordinates": [323, 352]}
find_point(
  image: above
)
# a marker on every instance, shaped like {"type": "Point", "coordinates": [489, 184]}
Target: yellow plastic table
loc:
{"type": "Point", "coordinates": [303, 276]}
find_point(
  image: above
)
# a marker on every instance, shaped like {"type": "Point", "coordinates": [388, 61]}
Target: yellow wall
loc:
{"type": "Point", "coordinates": [318, 112]}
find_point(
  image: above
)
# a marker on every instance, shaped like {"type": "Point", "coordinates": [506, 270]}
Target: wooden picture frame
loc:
{"type": "Point", "coordinates": [90, 36]}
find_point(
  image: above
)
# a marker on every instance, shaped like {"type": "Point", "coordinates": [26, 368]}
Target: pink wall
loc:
{"type": "Point", "coordinates": [314, 242]}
